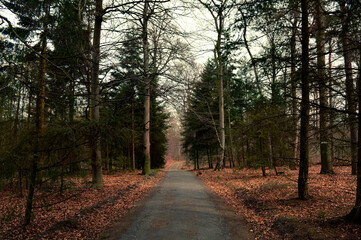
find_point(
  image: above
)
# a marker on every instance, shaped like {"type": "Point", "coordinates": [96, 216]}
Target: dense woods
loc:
{"type": "Point", "coordinates": [74, 103]}
{"type": "Point", "coordinates": [287, 71]}
{"type": "Point", "coordinates": [88, 87]}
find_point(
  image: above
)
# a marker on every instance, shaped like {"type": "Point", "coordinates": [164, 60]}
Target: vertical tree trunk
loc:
{"type": "Point", "coordinates": [96, 161]}
{"type": "Point", "coordinates": [133, 137]}
{"type": "Point", "coordinates": [146, 15]}
{"type": "Point", "coordinates": [71, 102]}
{"type": "Point", "coordinates": [39, 120]}
{"type": "Point", "coordinates": [262, 155]}
{"type": "Point", "coordinates": [294, 6]}
{"type": "Point", "coordinates": [16, 122]}
{"type": "Point", "coordinates": [107, 157]}
{"type": "Point", "coordinates": [230, 137]}
{"type": "Point", "coordinates": [355, 213]}
{"type": "Point", "coordinates": [196, 167]}
{"type": "Point", "coordinates": [351, 103]}
{"type": "Point", "coordinates": [305, 106]}
{"type": "Point", "coordinates": [326, 166]}
{"type": "Point", "coordinates": [15, 130]}
{"type": "Point", "coordinates": [61, 188]}
{"type": "Point", "coordinates": [331, 114]}
{"type": "Point", "coordinates": [110, 167]}
{"type": "Point", "coordinates": [219, 61]}
{"type": "Point", "coordinates": [20, 172]}
{"type": "Point", "coordinates": [210, 165]}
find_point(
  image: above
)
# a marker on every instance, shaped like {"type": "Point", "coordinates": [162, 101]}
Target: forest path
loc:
{"type": "Point", "coordinates": [180, 208]}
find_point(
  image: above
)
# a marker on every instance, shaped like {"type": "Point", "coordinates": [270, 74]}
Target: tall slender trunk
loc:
{"type": "Point", "coordinates": [219, 61]}
{"type": "Point", "coordinates": [146, 138]}
{"type": "Point", "coordinates": [16, 122]}
{"type": "Point", "coordinates": [331, 113]}
{"type": "Point", "coordinates": [274, 100]}
{"type": "Point", "coordinates": [351, 103]}
{"type": "Point", "coordinates": [106, 165]}
{"type": "Point", "coordinates": [210, 164]}
{"type": "Point", "coordinates": [326, 166]}
{"type": "Point", "coordinates": [133, 137]}
{"type": "Point", "coordinates": [29, 106]}
{"type": "Point", "coordinates": [230, 137]}
{"type": "Point", "coordinates": [196, 163]}
{"type": "Point", "coordinates": [305, 106]}
{"type": "Point", "coordinates": [294, 6]}
{"type": "Point", "coordinates": [355, 213]}
{"type": "Point", "coordinates": [96, 161]}
{"type": "Point", "coordinates": [39, 121]}
{"type": "Point", "coordinates": [71, 102]}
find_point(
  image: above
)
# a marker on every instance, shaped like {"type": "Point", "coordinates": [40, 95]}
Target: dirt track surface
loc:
{"type": "Point", "coordinates": [180, 208]}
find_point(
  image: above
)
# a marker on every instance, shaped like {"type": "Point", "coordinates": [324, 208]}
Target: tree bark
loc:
{"type": "Point", "coordinates": [326, 166]}
{"type": "Point", "coordinates": [305, 106]}
{"type": "Point", "coordinates": [351, 103]}
{"type": "Point", "coordinates": [146, 138]}
{"type": "Point", "coordinates": [331, 114]}
{"type": "Point", "coordinates": [219, 61]}
{"type": "Point", "coordinates": [39, 121]}
{"type": "Point", "coordinates": [294, 6]}
{"type": "Point", "coordinates": [355, 213]}
{"type": "Point", "coordinates": [96, 161]}
{"type": "Point", "coordinates": [133, 137]}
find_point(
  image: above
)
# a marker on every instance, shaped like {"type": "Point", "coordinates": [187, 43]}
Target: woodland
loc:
{"type": "Point", "coordinates": [98, 95]}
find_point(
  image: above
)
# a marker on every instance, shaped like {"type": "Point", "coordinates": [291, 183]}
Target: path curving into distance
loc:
{"type": "Point", "coordinates": [180, 208]}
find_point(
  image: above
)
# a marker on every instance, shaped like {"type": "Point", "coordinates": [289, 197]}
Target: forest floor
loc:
{"type": "Point", "coordinates": [81, 213]}
{"type": "Point", "coordinates": [271, 208]}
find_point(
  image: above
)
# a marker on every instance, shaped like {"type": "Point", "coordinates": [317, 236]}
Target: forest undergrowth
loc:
{"type": "Point", "coordinates": [80, 213]}
{"type": "Point", "coordinates": [271, 208]}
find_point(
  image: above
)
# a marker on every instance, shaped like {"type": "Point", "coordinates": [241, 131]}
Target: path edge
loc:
{"type": "Point", "coordinates": [120, 226]}
{"type": "Point", "coordinates": [238, 226]}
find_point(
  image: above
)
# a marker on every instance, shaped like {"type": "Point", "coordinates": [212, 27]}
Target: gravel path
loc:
{"type": "Point", "coordinates": [181, 208]}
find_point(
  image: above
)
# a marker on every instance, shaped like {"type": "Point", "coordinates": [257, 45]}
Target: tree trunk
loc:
{"type": "Point", "coordinates": [294, 6]}
{"type": "Point", "coordinates": [20, 172]}
{"type": "Point", "coordinates": [305, 106]}
{"type": "Point", "coordinates": [71, 102]}
{"type": "Point", "coordinates": [231, 149]}
{"type": "Point", "coordinates": [110, 163]}
{"type": "Point", "coordinates": [96, 161]}
{"type": "Point", "coordinates": [146, 15]}
{"type": "Point", "coordinates": [355, 213]}
{"type": "Point", "coordinates": [351, 103]}
{"type": "Point", "coordinates": [326, 166]}
{"type": "Point", "coordinates": [331, 114]}
{"type": "Point", "coordinates": [39, 120]}
{"type": "Point", "coordinates": [210, 165]}
{"type": "Point", "coordinates": [61, 188]}
{"type": "Point", "coordinates": [219, 62]}
{"type": "Point", "coordinates": [196, 165]}
{"type": "Point", "coordinates": [133, 137]}
{"type": "Point", "coordinates": [263, 161]}
{"type": "Point", "coordinates": [107, 157]}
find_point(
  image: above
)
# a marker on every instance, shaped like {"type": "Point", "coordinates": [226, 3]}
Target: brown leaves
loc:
{"type": "Point", "coordinates": [262, 201]}
{"type": "Point", "coordinates": [81, 217]}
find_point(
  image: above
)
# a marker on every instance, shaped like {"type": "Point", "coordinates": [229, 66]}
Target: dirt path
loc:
{"type": "Point", "coordinates": [180, 208]}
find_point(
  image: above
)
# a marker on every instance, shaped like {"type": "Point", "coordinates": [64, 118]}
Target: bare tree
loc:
{"type": "Point", "coordinates": [219, 10]}
{"type": "Point", "coordinates": [96, 161]}
{"type": "Point", "coordinates": [146, 15]}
